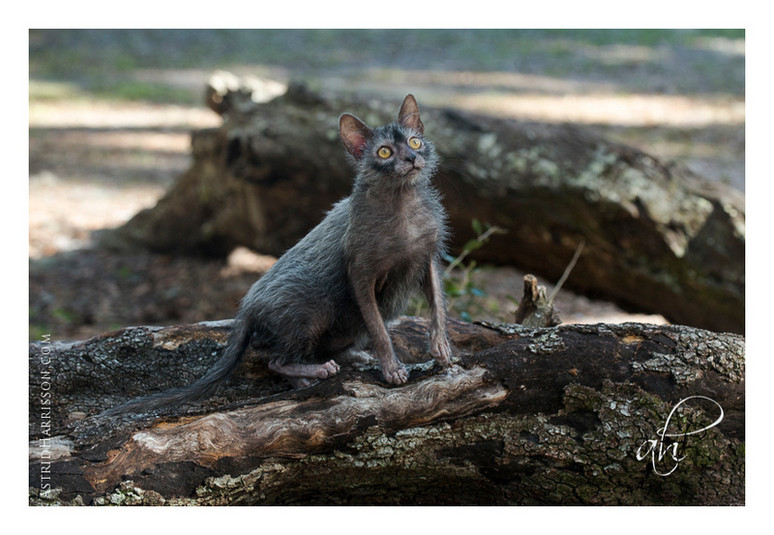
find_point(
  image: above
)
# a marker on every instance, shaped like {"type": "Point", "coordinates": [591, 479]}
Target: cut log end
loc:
{"type": "Point", "coordinates": [535, 309]}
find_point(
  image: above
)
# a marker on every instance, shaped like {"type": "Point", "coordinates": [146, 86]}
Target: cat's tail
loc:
{"type": "Point", "coordinates": [206, 385]}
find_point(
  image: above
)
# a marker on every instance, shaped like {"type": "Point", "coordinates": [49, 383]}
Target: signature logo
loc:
{"type": "Point", "coordinates": [665, 452]}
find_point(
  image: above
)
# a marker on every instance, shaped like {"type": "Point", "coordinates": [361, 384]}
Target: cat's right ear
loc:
{"type": "Point", "coordinates": [354, 133]}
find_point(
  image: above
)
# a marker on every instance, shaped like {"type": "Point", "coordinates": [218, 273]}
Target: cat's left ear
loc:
{"type": "Point", "coordinates": [354, 133]}
{"type": "Point", "coordinates": [409, 114]}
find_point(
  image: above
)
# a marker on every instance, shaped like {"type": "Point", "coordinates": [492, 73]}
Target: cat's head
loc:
{"type": "Point", "coordinates": [397, 151]}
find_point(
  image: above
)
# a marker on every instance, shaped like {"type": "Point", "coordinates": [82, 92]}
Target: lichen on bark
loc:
{"type": "Point", "coordinates": [552, 415]}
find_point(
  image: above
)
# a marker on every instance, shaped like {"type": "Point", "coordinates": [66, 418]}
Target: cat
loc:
{"type": "Point", "coordinates": [339, 286]}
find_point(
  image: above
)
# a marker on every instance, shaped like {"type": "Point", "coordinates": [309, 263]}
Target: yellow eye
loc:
{"type": "Point", "coordinates": [415, 142]}
{"type": "Point", "coordinates": [384, 153]}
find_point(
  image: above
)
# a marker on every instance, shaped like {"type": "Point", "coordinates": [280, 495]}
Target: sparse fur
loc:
{"type": "Point", "coordinates": [340, 285]}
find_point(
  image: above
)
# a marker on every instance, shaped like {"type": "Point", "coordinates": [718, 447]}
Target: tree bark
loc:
{"type": "Point", "coordinates": [525, 416]}
{"type": "Point", "coordinates": [658, 238]}
{"type": "Point", "coordinates": [535, 308]}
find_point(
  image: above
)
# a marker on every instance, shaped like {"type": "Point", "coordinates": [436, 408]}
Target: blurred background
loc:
{"type": "Point", "coordinates": [110, 112]}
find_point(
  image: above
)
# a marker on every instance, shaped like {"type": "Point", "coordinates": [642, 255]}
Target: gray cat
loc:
{"type": "Point", "coordinates": [339, 287]}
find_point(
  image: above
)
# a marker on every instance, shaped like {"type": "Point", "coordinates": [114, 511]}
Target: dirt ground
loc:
{"type": "Point", "coordinates": [96, 161]}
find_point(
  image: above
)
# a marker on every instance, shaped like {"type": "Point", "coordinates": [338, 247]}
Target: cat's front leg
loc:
{"type": "Point", "coordinates": [440, 348]}
{"type": "Point", "coordinates": [393, 370]}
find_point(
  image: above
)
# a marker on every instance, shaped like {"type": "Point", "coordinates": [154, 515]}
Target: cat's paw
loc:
{"type": "Point", "coordinates": [397, 375]}
{"type": "Point", "coordinates": [441, 350]}
{"type": "Point", "coordinates": [329, 369]}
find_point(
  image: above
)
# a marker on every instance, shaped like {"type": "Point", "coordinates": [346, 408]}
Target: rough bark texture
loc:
{"type": "Point", "coordinates": [526, 416]}
{"type": "Point", "coordinates": [657, 238]}
{"type": "Point", "coordinates": [535, 308]}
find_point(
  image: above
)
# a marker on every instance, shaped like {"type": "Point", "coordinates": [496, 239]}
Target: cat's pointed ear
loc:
{"type": "Point", "coordinates": [354, 133]}
{"type": "Point", "coordinates": [409, 114]}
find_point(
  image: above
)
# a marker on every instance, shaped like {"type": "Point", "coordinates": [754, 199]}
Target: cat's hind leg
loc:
{"type": "Point", "coordinates": [302, 374]}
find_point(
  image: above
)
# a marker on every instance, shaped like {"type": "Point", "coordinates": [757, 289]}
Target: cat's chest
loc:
{"type": "Point", "coordinates": [413, 227]}
{"type": "Point", "coordinates": [389, 233]}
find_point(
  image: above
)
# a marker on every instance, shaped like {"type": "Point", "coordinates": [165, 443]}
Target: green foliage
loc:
{"type": "Point", "coordinates": [463, 291]}
{"type": "Point", "coordinates": [63, 315]}
{"type": "Point", "coordinates": [132, 90]}
{"type": "Point", "coordinates": [37, 332]}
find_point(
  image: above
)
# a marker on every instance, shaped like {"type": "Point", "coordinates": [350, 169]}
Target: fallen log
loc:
{"type": "Point", "coordinates": [657, 237]}
{"type": "Point", "coordinates": [572, 414]}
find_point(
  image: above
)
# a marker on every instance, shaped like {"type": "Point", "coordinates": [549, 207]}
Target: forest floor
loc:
{"type": "Point", "coordinates": [110, 124]}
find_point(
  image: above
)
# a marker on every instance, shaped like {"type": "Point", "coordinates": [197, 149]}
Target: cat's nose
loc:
{"type": "Point", "coordinates": [411, 157]}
